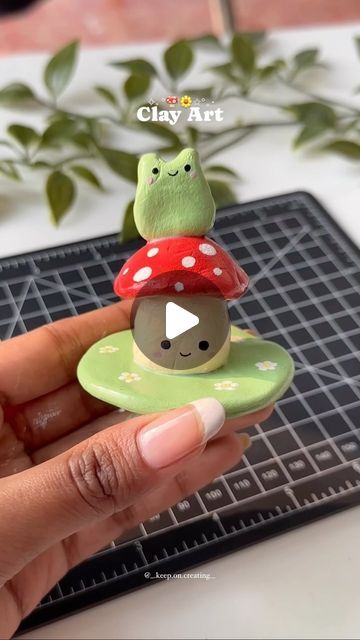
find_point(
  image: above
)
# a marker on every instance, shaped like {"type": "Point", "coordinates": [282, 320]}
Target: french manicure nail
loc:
{"type": "Point", "coordinates": [175, 435]}
{"type": "Point", "coordinates": [212, 416]}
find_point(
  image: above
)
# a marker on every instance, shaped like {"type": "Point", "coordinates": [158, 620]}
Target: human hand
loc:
{"type": "Point", "coordinates": [69, 482]}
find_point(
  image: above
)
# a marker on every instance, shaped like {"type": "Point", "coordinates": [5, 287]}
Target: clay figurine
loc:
{"type": "Point", "coordinates": [181, 346]}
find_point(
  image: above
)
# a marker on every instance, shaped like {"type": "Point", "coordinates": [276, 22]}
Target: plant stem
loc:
{"type": "Point", "coordinates": [314, 96]}
{"type": "Point", "coordinates": [21, 163]}
{"type": "Point", "coordinates": [253, 125]}
{"type": "Point", "coordinates": [25, 162]}
{"type": "Point", "coordinates": [253, 100]}
{"type": "Point", "coordinates": [72, 114]}
{"type": "Point", "coordinates": [61, 163]}
{"type": "Point", "coordinates": [244, 134]}
{"type": "Point", "coordinates": [5, 143]}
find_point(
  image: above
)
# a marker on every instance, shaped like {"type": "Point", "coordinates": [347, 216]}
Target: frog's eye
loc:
{"type": "Point", "coordinates": [187, 167]}
{"type": "Point", "coordinates": [155, 171]}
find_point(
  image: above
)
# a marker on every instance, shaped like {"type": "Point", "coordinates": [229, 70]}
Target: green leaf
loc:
{"type": "Point", "coordinates": [25, 136]}
{"type": "Point", "coordinates": [122, 163]}
{"type": "Point", "coordinates": [135, 86]}
{"type": "Point", "coordinates": [40, 164]}
{"type": "Point", "coordinates": [308, 111]}
{"type": "Point", "coordinates": [266, 72]}
{"type": "Point", "coordinates": [58, 132]}
{"type": "Point", "coordinates": [162, 131]}
{"type": "Point", "coordinates": [60, 192]}
{"type": "Point", "coordinates": [107, 95]}
{"type": "Point", "coordinates": [178, 59]}
{"type": "Point", "coordinates": [9, 170]}
{"type": "Point", "coordinates": [357, 45]}
{"type": "Point", "coordinates": [222, 193]}
{"type": "Point", "coordinates": [308, 133]}
{"type": "Point", "coordinates": [305, 60]}
{"type": "Point", "coordinates": [243, 53]}
{"type": "Point", "coordinates": [83, 140]}
{"type": "Point", "coordinates": [129, 230]}
{"type": "Point", "coordinates": [86, 174]}
{"type": "Point", "coordinates": [217, 168]}
{"type": "Point", "coordinates": [316, 118]}
{"type": "Point", "coordinates": [208, 41]}
{"type": "Point", "coordinates": [138, 66]}
{"type": "Point", "coordinates": [271, 69]}
{"type": "Point", "coordinates": [225, 70]}
{"type": "Point", "coordinates": [60, 68]}
{"type": "Point", "coordinates": [345, 148]}
{"type": "Point", "coordinates": [256, 37]}
{"type": "Point", "coordinates": [15, 94]}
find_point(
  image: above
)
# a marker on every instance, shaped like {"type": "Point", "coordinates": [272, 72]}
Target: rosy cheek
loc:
{"type": "Point", "coordinates": [157, 354]}
{"type": "Point", "coordinates": [193, 174]}
{"type": "Point", "coordinates": [150, 180]}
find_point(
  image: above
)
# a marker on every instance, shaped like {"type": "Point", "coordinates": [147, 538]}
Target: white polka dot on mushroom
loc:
{"type": "Point", "coordinates": [153, 252]}
{"type": "Point", "coordinates": [178, 286]}
{"type": "Point", "coordinates": [188, 261]}
{"type": "Point", "coordinates": [125, 271]}
{"type": "Point", "coordinates": [207, 249]}
{"type": "Point", "coordinates": [217, 271]}
{"type": "Point", "coordinates": [142, 274]}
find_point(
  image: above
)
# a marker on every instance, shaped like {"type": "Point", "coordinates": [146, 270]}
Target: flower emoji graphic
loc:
{"type": "Point", "coordinates": [266, 365]}
{"type": "Point", "coordinates": [108, 348]}
{"type": "Point", "coordinates": [226, 385]}
{"type": "Point", "coordinates": [127, 377]}
{"type": "Point", "coordinates": [186, 101]}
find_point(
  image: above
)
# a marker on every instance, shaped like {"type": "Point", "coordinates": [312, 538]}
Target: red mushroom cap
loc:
{"type": "Point", "coordinates": [179, 260]}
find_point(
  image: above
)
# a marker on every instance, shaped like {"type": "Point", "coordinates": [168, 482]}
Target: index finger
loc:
{"type": "Point", "coordinates": [37, 363]}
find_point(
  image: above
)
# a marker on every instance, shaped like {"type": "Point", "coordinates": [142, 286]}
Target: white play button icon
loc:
{"type": "Point", "coordinates": [178, 320]}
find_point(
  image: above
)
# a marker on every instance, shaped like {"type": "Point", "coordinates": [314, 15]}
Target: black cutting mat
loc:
{"type": "Point", "coordinates": [305, 460]}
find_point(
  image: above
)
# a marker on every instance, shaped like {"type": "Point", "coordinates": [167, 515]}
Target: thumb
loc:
{"type": "Point", "coordinates": [97, 478]}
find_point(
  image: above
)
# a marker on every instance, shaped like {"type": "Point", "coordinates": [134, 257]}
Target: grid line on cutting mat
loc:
{"type": "Point", "coordinates": [305, 460]}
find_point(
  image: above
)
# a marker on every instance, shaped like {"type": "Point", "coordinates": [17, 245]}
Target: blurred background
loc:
{"type": "Point", "coordinates": [48, 24]}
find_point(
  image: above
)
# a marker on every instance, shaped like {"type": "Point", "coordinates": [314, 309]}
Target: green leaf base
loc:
{"type": "Point", "coordinates": [257, 373]}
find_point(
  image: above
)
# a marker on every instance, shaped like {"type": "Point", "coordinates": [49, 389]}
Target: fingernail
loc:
{"type": "Point", "coordinates": [212, 416]}
{"type": "Point", "coordinates": [175, 435]}
{"type": "Point", "coordinates": [245, 440]}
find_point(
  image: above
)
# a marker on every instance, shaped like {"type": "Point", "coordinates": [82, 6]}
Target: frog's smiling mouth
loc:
{"type": "Point", "coordinates": [173, 174]}
{"type": "Point", "coordinates": [185, 355]}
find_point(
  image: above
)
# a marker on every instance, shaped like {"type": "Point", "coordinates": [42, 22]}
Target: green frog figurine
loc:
{"type": "Point", "coordinates": [173, 198]}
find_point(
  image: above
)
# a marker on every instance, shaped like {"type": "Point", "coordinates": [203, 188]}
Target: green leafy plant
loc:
{"type": "Point", "coordinates": [70, 145]}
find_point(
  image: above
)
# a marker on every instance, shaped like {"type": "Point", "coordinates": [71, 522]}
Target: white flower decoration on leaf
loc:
{"type": "Point", "coordinates": [108, 348]}
{"type": "Point", "coordinates": [266, 365]}
{"type": "Point", "coordinates": [127, 377]}
{"type": "Point", "coordinates": [226, 385]}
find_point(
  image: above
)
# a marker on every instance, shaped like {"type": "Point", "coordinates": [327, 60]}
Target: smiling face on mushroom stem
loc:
{"type": "Point", "coordinates": [172, 198]}
{"type": "Point", "coordinates": [192, 349]}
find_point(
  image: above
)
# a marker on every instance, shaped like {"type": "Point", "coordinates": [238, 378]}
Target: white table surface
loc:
{"type": "Point", "coordinates": [304, 584]}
